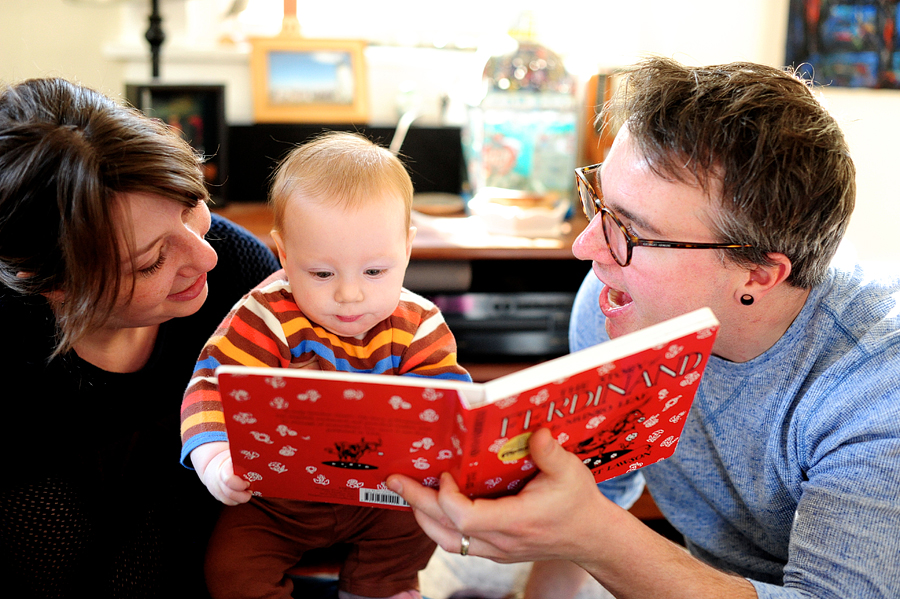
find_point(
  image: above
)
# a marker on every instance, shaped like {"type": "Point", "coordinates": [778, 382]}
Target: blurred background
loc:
{"type": "Point", "coordinates": [428, 60]}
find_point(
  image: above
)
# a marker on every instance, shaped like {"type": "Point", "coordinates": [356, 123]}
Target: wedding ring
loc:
{"type": "Point", "coordinates": [464, 546]}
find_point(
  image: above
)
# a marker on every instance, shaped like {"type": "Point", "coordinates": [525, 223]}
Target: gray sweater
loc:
{"type": "Point", "coordinates": [788, 469]}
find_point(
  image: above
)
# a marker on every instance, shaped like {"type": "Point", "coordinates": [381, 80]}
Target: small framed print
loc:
{"type": "Point", "coordinates": [198, 112]}
{"type": "Point", "coordinates": [300, 80]}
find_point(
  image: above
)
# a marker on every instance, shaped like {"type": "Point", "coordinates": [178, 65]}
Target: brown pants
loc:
{"type": "Point", "coordinates": [255, 543]}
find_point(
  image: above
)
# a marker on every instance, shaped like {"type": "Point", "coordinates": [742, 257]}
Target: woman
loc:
{"type": "Point", "coordinates": [107, 255]}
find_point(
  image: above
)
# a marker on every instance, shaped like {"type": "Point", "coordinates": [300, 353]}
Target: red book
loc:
{"type": "Point", "coordinates": [336, 436]}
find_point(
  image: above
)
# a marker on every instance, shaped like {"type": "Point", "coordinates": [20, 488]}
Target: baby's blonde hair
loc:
{"type": "Point", "coordinates": [342, 167]}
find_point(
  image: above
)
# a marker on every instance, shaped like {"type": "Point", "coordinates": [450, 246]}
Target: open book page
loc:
{"type": "Point", "coordinates": [619, 406]}
{"type": "Point", "coordinates": [335, 437]}
{"type": "Point", "coordinates": [591, 357]}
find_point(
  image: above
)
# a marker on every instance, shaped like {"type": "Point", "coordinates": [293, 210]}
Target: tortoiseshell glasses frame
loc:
{"type": "Point", "coordinates": [619, 240]}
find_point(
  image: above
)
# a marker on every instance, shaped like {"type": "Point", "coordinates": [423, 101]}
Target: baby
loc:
{"type": "Point", "coordinates": [342, 229]}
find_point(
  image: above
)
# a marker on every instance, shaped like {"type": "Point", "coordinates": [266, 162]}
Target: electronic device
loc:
{"type": "Point", "coordinates": [511, 325]}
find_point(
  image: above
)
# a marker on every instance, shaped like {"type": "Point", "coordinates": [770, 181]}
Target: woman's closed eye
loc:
{"type": "Point", "coordinates": [153, 268]}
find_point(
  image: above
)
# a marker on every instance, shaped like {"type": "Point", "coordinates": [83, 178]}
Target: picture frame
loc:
{"type": "Point", "coordinates": [599, 132]}
{"type": "Point", "coordinates": [845, 43]}
{"type": "Point", "coordinates": [300, 80]}
{"type": "Point", "coordinates": [198, 112]}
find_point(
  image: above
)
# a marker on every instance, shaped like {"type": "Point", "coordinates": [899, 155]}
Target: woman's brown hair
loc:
{"type": "Point", "coordinates": [67, 154]}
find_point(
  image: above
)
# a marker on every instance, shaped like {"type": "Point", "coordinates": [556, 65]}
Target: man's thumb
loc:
{"type": "Point", "coordinates": [545, 451]}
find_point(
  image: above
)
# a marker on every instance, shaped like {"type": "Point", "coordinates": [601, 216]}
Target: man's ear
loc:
{"type": "Point", "coordinates": [279, 245]}
{"type": "Point", "coordinates": [762, 279]}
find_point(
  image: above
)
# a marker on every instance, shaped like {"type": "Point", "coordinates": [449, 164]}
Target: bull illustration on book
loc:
{"type": "Point", "coordinates": [612, 444]}
{"type": "Point", "coordinates": [349, 454]}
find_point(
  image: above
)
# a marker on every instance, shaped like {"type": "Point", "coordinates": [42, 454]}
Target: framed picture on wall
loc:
{"type": "Point", "coordinates": [848, 43]}
{"type": "Point", "coordinates": [300, 80]}
{"type": "Point", "coordinates": [198, 112]}
{"type": "Point", "coordinates": [599, 133]}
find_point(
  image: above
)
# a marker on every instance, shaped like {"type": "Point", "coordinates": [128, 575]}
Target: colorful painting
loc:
{"type": "Point", "coordinates": [198, 113]}
{"type": "Point", "coordinates": [845, 43]}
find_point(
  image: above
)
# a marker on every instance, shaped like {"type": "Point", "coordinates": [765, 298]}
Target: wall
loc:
{"type": "Point", "coordinates": [102, 45]}
{"type": "Point", "coordinates": [59, 38]}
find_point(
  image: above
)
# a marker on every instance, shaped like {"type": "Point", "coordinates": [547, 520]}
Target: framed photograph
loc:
{"type": "Point", "coordinates": [848, 43]}
{"type": "Point", "coordinates": [198, 112]}
{"type": "Point", "coordinates": [299, 80]}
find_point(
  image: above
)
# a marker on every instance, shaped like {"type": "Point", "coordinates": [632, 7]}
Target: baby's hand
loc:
{"type": "Point", "coordinates": [214, 467]}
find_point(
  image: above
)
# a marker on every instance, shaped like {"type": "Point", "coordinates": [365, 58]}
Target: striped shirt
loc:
{"type": "Point", "coordinates": [266, 328]}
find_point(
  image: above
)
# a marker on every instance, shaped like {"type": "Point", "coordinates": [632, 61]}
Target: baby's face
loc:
{"type": "Point", "coordinates": [346, 266]}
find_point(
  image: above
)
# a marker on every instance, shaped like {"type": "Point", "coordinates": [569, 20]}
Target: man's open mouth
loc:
{"type": "Point", "coordinates": [617, 298]}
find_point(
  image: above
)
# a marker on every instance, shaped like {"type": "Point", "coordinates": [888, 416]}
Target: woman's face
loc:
{"type": "Point", "coordinates": [167, 262]}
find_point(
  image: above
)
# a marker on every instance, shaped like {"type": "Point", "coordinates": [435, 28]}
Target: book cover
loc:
{"type": "Point", "coordinates": [335, 436]}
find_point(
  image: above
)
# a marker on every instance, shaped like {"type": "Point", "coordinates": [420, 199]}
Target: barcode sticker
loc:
{"type": "Point", "coordinates": [382, 497]}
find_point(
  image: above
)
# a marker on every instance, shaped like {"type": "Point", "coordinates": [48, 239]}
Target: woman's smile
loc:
{"type": "Point", "coordinates": [191, 292]}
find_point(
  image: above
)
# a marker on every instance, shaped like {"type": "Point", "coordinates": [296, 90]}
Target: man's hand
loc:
{"type": "Point", "coordinates": [538, 523]}
{"type": "Point", "coordinates": [214, 467]}
{"type": "Point", "coordinates": [561, 515]}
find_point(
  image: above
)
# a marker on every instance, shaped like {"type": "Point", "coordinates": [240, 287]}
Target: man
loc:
{"type": "Point", "coordinates": [728, 187]}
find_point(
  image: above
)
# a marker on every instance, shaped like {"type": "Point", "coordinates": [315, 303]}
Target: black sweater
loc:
{"type": "Point", "coordinates": [92, 457]}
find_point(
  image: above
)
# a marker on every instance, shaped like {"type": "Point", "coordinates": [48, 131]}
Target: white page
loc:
{"type": "Point", "coordinates": [592, 357]}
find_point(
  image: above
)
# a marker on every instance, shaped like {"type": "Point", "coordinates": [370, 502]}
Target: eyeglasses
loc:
{"type": "Point", "coordinates": [619, 240]}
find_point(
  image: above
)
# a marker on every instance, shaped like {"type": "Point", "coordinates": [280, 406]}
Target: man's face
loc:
{"type": "Point", "coordinates": [660, 283]}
